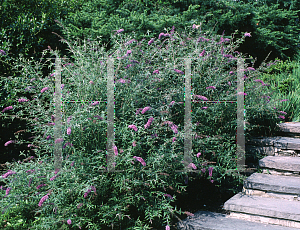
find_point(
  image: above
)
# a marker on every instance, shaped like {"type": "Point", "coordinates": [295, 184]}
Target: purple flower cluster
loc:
{"type": "Point", "coordinates": [44, 198]}
{"type": "Point", "coordinates": [10, 172]}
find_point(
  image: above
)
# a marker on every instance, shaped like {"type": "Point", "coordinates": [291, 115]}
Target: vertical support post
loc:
{"type": "Point", "coordinates": [240, 116]}
{"type": "Point", "coordinates": [110, 115]}
{"type": "Point", "coordinates": [58, 120]}
{"type": "Point", "coordinates": [188, 116]}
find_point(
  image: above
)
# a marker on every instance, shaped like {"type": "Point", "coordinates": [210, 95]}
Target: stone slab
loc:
{"type": "Point", "coordinates": [289, 127]}
{"type": "Point", "coordinates": [266, 207]}
{"type": "Point", "coordinates": [275, 195]}
{"type": "Point", "coordinates": [281, 163]}
{"type": "Point", "coordinates": [204, 220]}
{"type": "Point", "coordinates": [273, 183]}
{"type": "Point", "coordinates": [279, 142]}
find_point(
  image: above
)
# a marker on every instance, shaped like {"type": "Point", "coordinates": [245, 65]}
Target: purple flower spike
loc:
{"type": "Point", "coordinates": [44, 89]}
{"type": "Point", "coordinates": [7, 108]}
{"type": "Point", "coordinates": [2, 52]}
{"type": "Point", "coordinates": [119, 31]}
{"type": "Point", "coordinates": [247, 35]}
{"type": "Point", "coordinates": [9, 142]}
{"type": "Point", "coordinates": [179, 71]}
{"type": "Point", "coordinates": [145, 109]}
{"type": "Point", "coordinates": [43, 200]}
{"type": "Point", "coordinates": [140, 160]}
{"type": "Point", "coordinates": [133, 127]}
{"type": "Point", "coordinates": [69, 130]}
{"type": "Point", "coordinates": [151, 41]}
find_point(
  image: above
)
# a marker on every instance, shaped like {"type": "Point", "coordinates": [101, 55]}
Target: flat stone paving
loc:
{"type": "Point", "coordinates": [279, 142]}
{"type": "Point", "coordinates": [291, 127]}
{"type": "Point", "coordinates": [263, 206]}
{"type": "Point", "coordinates": [216, 221]}
{"type": "Point", "coordinates": [273, 183]}
{"type": "Point", "coordinates": [281, 163]}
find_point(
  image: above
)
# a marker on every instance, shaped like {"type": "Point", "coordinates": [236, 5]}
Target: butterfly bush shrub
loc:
{"type": "Point", "coordinates": [149, 133]}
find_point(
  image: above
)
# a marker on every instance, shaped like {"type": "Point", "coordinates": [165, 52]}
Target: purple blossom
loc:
{"type": "Point", "coordinates": [168, 195]}
{"type": "Point", "coordinates": [178, 71]}
{"type": "Point", "coordinates": [48, 137]}
{"type": "Point", "coordinates": [87, 193]}
{"type": "Point", "coordinates": [174, 128]}
{"type": "Point", "coordinates": [211, 87]}
{"type": "Point", "coordinates": [72, 164]}
{"type": "Point", "coordinates": [44, 89]}
{"type": "Point", "coordinates": [204, 107]}
{"type": "Point", "coordinates": [282, 117]}
{"type": "Point", "coordinates": [95, 103]}
{"type": "Point", "coordinates": [167, 227]}
{"type": "Point", "coordinates": [69, 130]}
{"type": "Point", "coordinates": [198, 154]}
{"type": "Point", "coordinates": [149, 122]}
{"type": "Point", "coordinates": [133, 127]}
{"type": "Point", "coordinates": [174, 139]}
{"type": "Point", "coordinates": [156, 71]}
{"type": "Point", "coordinates": [192, 165]}
{"type": "Point", "coordinates": [228, 56]}
{"type": "Point", "coordinates": [250, 68]}
{"type": "Point", "coordinates": [140, 160]}
{"type": "Point", "coordinates": [151, 41]}
{"type": "Point", "coordinates": [2, 52]}
{"type": "Point", "coordinates": [119, 31]}
{"type": "Point", "coordinates": [202, 97]}
{"type": "Point", "coordinates": [30, 170]}
{"type": "Point", "coordinates": [69, 221]}
{"type": "Point", "coordinates": [7, 191]}
{"type": "Point", "coordinates": [134, 143]}
{"type": "Point", "coordinates": [22, 100]}
{"type": "Point", "coordinates": [52, 178]}
{"type": "Point", "coordinates": [39, 186]}
{"type": "Point", "coordinates": [8, 173]}
{"type": "Point", "coordinates": [116, 150]}
{"type": "Point", "coordinates": [128, 52]}
{"type": "Point", "coordinates": [7, 108]}
{"type": "Point", "coordinates": [247, 35]}
{"type": "Point", "coordinates": [145, 109]}
{"type": "Point", "coordinates": [172, 102]}
{"type": "Point", "coordinates": [202, 53]}
{"type": "Point", "coordinates": [210, 169]}
{"type": "Point", "coordinates": [9, 142]}
{"type": "Point", "coordinates": [43, 200]}
{"type": "Point", "coordinates": [258, 80]}
{"type": "Point", "coordinates": [203, 170]}
{"type": "Point", "coordinates": [282, 112]}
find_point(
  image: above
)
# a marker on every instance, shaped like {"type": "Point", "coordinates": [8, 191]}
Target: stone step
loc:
{"type": "Point", "coordinates": [270, 151]}
{"type": "Point", "coordinates": [290, 128]}
{"type": "Point", "coordinates": [204, 220]}
{"type": "Point", "coordinates": [283, 143]}
{"type": "Point", "coordinates": [264, 210]}
{"type": "Point", "coordinates": [290, 164]}
{"type": "Point", "coordinates": [274, 186]}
